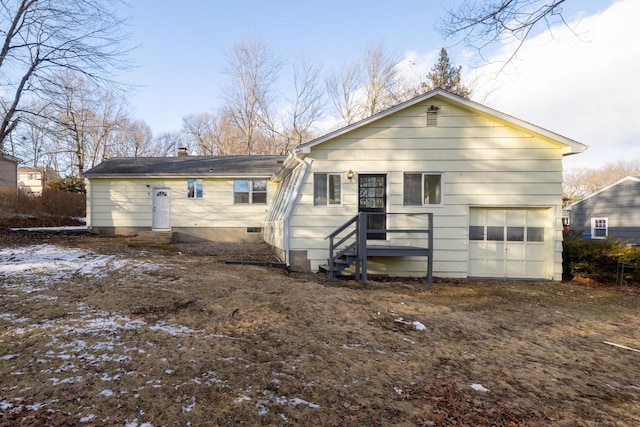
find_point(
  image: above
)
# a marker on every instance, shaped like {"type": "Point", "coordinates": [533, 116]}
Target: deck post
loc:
{"type": "Point", "coordinates": [357, 247]}
{"type": "Point", "coordinates": [362, 242]}
{"type": "Point", "coordinates": [331, 258]}
{"type": "Point", "coordinates": [430, 243]}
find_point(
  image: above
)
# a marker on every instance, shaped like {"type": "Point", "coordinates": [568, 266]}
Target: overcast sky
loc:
{"type": "Point", "coordinates": [580, 82]}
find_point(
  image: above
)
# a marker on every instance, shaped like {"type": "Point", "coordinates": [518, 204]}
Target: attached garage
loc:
{"type": "Point", "coordinates": [511, 242]}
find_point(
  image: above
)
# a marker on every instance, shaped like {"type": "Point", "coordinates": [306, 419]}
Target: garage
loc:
{"type": "Point", "coordinates": [513, 243]}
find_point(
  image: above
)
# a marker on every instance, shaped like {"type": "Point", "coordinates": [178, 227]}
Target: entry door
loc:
{"type": "Point", "coordinates": [161, 208]}
{"type": "Point", "coordinates": [372, 190]}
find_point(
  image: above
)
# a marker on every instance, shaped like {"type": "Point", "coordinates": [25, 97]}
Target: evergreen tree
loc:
{"type": "Point", "coordinates": [445, 76]}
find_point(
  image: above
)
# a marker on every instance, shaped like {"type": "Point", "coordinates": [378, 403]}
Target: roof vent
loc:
{"type": "Point", "coordinates": [182, 151]}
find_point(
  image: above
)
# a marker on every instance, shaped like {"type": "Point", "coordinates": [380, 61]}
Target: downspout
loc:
{"type": "Point", "coordinates": [289, 210]}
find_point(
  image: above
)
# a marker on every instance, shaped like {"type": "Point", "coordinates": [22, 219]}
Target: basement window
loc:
{"type": "Point", "coordinates": [254, 230]}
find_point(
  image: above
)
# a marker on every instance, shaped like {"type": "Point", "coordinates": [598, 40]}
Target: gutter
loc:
{"type": "Point", "coordinates": [289, 210]}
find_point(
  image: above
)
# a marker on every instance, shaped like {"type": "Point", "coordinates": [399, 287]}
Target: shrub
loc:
{"type": "Point", "coordinates": [53, 208]}
{"type": "Point", "coordinates": [69, 184]}
{"type": "Point", "coordinates": [599, 260]}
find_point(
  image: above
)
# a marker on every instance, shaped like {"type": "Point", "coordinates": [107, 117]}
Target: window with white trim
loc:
{"type": "Point", "coordinates": [195, 188]}
{"type": "Point", "coordinates": [599, 228]}
{"type": "Point", "coordinates": [327, 189]}
{"type": "Point", "coordinates": [422, 189]}
{"type": "Point", "coordinates": [250, 191]}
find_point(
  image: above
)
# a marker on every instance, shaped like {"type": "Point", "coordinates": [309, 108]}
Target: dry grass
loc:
{"type": "Point", "coordinates": [174, 337]}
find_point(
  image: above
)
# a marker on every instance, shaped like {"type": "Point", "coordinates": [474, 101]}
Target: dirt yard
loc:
{"type": "Point", "coordinates": [110, 331]}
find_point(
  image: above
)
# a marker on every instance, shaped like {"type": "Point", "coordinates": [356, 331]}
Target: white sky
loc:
{"type": "Point", "coordinates": [580, 86]}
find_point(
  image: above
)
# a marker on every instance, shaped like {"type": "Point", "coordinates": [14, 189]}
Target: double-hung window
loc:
{"type": "Point", "coordinates": [195, 188]}
{"type": "Point", "coordinates": [250, 191]}
{"type": "Point", "coordinates": [599, 228]}
{"type": "Point", "coordinates": [422, 189]}
{"type": "Point", "coordinates": [327, 189]}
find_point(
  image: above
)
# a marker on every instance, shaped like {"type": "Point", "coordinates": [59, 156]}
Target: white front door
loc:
{"type": "Point", "coordinates": [510, 243]}
{"type": "Point", "coordinates": [161, 208]}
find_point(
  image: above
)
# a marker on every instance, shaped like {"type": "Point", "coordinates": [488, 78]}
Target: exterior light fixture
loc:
{"type": "Point", "coordinates": [350, 174]}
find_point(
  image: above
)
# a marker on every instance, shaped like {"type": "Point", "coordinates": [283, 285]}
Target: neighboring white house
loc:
{"type": "Point", "coordinates": [33, 179]}
{"type": "Point", "coordinates": [492, 183]}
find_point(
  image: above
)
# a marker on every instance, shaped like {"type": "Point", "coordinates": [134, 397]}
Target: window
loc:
{"type": "Point", "coordinates": [195, 188]}
{"type": "Point", "coordinates": [327, 189]}
{"type": "Point", "coordinates": [250, 191]}
{"type": "Point", "coordinates": [599, 228]}
{"type": "Point", "coordinates": [422, 189]}
{"type": "Point", "coordinates": [476, 232]}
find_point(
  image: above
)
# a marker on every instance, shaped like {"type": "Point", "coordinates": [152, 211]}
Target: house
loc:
{"type": "Point", "coordinates": [8, 170]}
{"type": "Point", "coordinates": [613, 212]}
{"type": "Point", "coordinates": [196, 197]}
{"type": "Point", "coordinates": [33, 179]}
{"type": "Point", "coordinates": [438, 184]}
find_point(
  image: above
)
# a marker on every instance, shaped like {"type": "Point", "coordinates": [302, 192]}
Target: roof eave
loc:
{"type": "Point", "coordinates": [573, 147]}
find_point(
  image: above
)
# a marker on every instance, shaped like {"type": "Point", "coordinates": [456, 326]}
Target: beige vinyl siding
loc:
{"type": "Point", "coordinates": [484, 163]}
{"type": "Point", "coordinates": [128, 203]}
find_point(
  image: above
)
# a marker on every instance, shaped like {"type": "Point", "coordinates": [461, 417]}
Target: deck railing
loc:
{"type": "Point", "coordinates": [354, 243]}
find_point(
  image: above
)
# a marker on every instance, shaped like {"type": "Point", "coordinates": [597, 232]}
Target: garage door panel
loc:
{"type": "Point", "coordinates": [512, 244]}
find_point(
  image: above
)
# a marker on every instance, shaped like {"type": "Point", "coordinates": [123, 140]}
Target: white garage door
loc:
{"type": "Point", "coordinates": [510, 243]}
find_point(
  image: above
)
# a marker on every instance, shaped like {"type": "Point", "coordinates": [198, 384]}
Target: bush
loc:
{"type": "Point", "coordinates": [53, 208]}
{"type": "Point", "coordinates": [69, 184]}
{"type": "Point", "coordinates": [599, 260]}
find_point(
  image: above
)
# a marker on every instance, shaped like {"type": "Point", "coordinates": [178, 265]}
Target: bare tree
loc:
{"type": "Point", "coordinates": [200, 132]}
{"type": "Point", "coordinates": [481, 24]}
{"type": "Point", "coordinates": [307, 105]}
{"type": "Point", "coordinates": [167, 143]}
{"type": "Point", "coordinates": [133, 138]}
{"type": "Point", "coordinates": [42, 37]}
{"type": "Point", "coordinates": [342, 88]}
{"type": "Point", "coordinates": [579, 183]}
{"type": "Point", "coordinates": [86, 117]}
{"type": "Point", "coordinates": [380, 79]}
{"type": "Point", "coordinates": [253, 70]}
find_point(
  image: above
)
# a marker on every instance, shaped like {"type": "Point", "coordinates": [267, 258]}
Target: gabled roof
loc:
{"type": "Point", "coordinates": [628, 178]}
{"type": "Point", "coordinates": [8, 157]}
{"type": "Point", "coordinates": [191, 166]}
{"type": "Point", "coordinates": [572, 147]}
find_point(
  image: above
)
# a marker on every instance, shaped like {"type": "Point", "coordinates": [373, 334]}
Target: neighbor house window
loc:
{"type": "Point", "coordinates": [250, 191]}
{"type": "Point", "coordinates": [195, 188]}
{"type": "Point", "coordinates": [599, 228]}
{"type": "Point", "coordinates": [327, 189]}
{"type": "Point", "coordinates": [422, 189]}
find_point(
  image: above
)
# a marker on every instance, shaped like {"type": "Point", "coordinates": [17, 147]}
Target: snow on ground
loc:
{"type": "Point", "coordinates": [31, 270]}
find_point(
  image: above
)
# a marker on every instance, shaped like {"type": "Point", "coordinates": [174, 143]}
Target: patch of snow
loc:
{"type": "Point", "coordinates": [87, 418]}
{"type": "Point", "coordinates": [106, 393]}
{"type": "Point", "coordinates": [262, 410]}
{"type": "Point", "coordinates": [191, 406]}
{"type": "Point", "coordinates": [479, 387]}
{"type": "Point", "coordinates": [69, 380]}
{"type": "Point", "coordinates": [170, 329]}
{"type": "Point", "coordinates": [417, 325]}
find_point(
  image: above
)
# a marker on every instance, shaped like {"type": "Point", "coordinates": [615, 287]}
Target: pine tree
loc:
{"type": "Point", "coordinates": [445, 76]}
